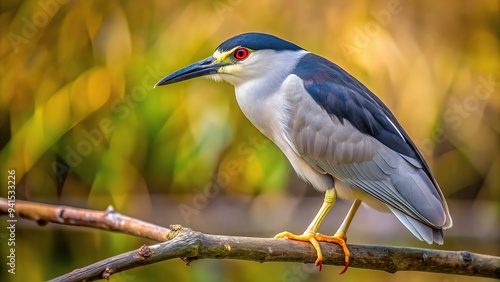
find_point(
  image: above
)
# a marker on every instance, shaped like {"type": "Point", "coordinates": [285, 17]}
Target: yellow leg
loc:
{"type": "Point", "coordinates": [340, 236]}
{"type": "Point", "coordinates": [310, 234]}
{"type": "Point", "coordinates": [328, 202]}
{"type": "Point", "coordinates": [348, 219]}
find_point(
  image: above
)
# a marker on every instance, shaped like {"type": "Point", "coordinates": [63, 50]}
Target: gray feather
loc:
{"type": "Point", "coordinates": [364, 163]}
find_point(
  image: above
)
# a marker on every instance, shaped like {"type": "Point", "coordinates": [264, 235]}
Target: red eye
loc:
{"type": "Point", "coordinates": [241, 53]}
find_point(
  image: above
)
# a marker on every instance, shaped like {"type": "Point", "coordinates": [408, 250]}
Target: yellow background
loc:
{"type": "Point", "coordinates": [82, 126]}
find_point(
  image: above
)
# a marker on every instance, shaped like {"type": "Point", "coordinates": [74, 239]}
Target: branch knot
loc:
{"type": "Point", "coordinates": [175, 229]}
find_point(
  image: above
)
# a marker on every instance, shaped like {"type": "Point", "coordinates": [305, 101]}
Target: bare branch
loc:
{"type": "Point", "coordinates": [107, 220]}
{"type": "Point", "coordinates": [190, 245]}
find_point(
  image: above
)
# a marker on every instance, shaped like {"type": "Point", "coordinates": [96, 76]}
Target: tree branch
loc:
{"type": "Point", "coordinates": [190, 245]}
{"type": "Point", "coordinates": [107, 220]}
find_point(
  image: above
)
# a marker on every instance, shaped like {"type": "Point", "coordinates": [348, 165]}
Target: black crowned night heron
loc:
{"type": "Point", "coordinates": [336, 133]}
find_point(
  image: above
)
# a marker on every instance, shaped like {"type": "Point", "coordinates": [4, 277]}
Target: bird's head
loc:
{"type": "Point", "coordinates": [241, 58]}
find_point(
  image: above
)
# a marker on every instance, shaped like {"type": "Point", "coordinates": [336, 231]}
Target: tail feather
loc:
{"type": "Point", "coordinates": [422, 231]}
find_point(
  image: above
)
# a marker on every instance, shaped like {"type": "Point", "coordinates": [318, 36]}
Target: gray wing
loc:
{"type": "Point", "coordinates": [363, 145]}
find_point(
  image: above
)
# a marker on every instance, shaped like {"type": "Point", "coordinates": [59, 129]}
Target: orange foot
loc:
{"type": "Point", "coordinates": [338, 238]}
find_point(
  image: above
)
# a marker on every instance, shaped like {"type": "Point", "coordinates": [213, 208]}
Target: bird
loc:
{"type": "Point", "coordinates": [337, 135]}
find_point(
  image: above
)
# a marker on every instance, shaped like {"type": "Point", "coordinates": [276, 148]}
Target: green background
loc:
{"type": "Point", "coordinates": [82, 126]}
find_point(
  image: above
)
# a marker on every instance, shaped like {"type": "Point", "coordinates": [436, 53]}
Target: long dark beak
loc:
{"type": "Point", "coordinates": [204, 67]}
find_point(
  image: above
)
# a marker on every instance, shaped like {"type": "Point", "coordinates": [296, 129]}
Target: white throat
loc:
{"type": "Point", "coordinates": [255, 92]}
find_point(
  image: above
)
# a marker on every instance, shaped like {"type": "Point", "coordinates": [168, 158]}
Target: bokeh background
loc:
{"type": "Point", "coordinates": [82, 125]}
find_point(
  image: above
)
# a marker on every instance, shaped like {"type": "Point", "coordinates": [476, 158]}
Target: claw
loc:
{"type": "Point", "coordinates": [314, 238]}
{"type": "Point", "coordinates": [319, 264]}
{"type": "Point", "coordinates": [346, 266]}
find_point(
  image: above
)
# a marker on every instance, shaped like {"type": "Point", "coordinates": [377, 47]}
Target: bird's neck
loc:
{"type": "Point", "coordinates": [257, 96]}
{"type": "Point", "coordinates": [254, 97]}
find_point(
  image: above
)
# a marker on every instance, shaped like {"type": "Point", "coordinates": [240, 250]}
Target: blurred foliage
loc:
{"type": "Point", "coordinates": [81, 123]}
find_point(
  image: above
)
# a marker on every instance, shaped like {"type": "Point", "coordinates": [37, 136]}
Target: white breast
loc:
{"type": "Point", "coordinates": [270, 111]}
